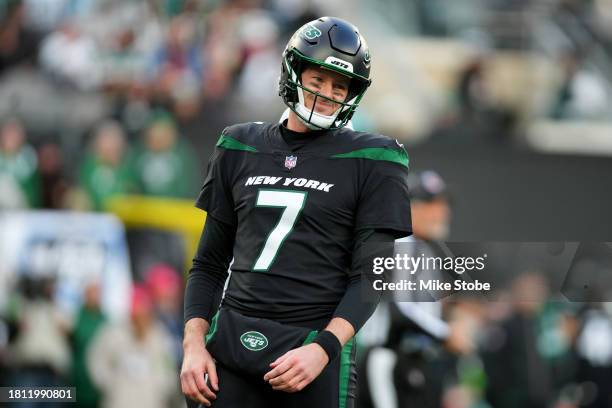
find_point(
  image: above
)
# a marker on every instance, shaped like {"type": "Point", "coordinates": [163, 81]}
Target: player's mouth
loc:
{"type": "Point", "coordinates": [324, 106]}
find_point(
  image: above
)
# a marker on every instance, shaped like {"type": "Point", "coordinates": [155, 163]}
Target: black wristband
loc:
{"type": "Point", "coordinates": [329, 342]}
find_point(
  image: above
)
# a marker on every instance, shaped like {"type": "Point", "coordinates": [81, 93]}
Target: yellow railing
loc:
{"type": "Point", "coordinates": [175, 215]}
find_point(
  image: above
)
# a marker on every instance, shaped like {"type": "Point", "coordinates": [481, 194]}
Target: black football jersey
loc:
{"type": "Point", "coordinates": [296, 213]}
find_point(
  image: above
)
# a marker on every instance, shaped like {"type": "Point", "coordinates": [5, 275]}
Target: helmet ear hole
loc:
{"type": "Point", "coordinates": [356, 88]}
{"type": "Point", "coordinates": [353, 90]}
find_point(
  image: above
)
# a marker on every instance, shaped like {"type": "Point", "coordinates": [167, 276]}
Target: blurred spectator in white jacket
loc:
{"type": "Point", "coordinates": [72, 57]}
{"type": "Point", "coordinates": [132, 364]}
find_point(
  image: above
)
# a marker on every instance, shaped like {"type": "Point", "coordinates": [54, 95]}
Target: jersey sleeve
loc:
{"type": "Point", "coordinates": [216, 194]}
{"type": "Point", "coordinates": [384, 201]}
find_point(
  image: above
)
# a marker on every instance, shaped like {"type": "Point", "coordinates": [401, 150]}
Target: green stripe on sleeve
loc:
{"type": "Point", "coordinates": [230, 143]}
{"type": "Point", "coordinates": [311, 336]}
{"type": "Point", "coordinates": [377, 153]}
{"type": "Point", "coordinates": [213, 327]}
{"type": "Point", "coordinates": [345, 371]}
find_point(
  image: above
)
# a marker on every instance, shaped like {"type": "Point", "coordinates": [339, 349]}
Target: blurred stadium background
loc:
{"type": "Point", "coordinates": [110, 109]}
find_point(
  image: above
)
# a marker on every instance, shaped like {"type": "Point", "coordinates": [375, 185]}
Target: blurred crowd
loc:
{"type": "Point", "coordinates": [479, 71]}
{"type": "Point", "coordinates": [111, 363]}
{"type": "Point", "coordinates": [162, 164]}
{"type": "Point", "coordinates": [99, 98]}
{"type": "Point", "coordinates": [527, 346]}
{"type": "Point", "coordinates": [535, 353]}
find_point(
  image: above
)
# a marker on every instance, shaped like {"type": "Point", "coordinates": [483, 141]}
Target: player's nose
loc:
{"type": "Point", "coordinates": [326, 89]}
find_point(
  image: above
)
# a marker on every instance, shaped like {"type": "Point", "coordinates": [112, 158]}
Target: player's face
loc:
{"type": "Point", "coordinates": [328, 83]}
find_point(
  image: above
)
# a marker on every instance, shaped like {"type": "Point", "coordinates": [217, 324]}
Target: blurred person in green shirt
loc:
{"type": "Point", "coordinates": [19, 178]}
{"type": "Point", "coordinates": [106, 171]}
{"type": "Point", "coordinates": [165, 164]}
{"type": "Point", "coordinates": [88, 322]}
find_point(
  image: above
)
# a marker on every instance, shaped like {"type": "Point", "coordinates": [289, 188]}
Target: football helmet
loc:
{"type": "Point", "coordinates": [330, 43]}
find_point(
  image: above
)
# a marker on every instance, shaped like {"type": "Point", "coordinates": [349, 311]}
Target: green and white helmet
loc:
{"type": "Point", "coordinates": [336, 45]}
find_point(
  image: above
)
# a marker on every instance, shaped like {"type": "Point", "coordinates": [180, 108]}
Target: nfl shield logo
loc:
{"type": "Point", "coordinates": [290, 162]}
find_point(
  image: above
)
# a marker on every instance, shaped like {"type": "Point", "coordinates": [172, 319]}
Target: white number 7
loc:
{"type": "Point", "coordinates": [292, 202]}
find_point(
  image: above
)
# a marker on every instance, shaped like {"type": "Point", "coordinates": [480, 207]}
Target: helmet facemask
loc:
{"type": "Point", "coordinates": [292, 90]}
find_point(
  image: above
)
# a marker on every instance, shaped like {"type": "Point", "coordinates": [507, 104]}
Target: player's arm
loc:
{"type": "Point", "coordinates": [202, 296]}
{"type": "Point", "coordinates": [208, 273]}
{"type": "Point", "coordinates": [383, 181]}
{"type": "Point", "coordinates": [354, 310]}
{"type": "Point", "coordinates": [377, 226]}
{"type": "Point", "coordinates": [299, 367]}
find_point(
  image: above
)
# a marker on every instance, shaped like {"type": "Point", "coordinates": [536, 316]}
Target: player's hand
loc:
{"type": "Point", "coordinates": [297, 368]}
{"type": "Point", "coordinates": [197, 362]}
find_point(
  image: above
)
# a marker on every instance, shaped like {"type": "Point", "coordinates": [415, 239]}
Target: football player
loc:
{"type": "Point", "coordinates": [292, 204]}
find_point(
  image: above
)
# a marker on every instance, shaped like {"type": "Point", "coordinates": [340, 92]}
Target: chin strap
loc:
{"type": "Point", "coordinates": [317, 121]}
{"type": "Point", "coordinates": [285, 116]}
{"type": "Point", "coordinates": [309, 117]}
